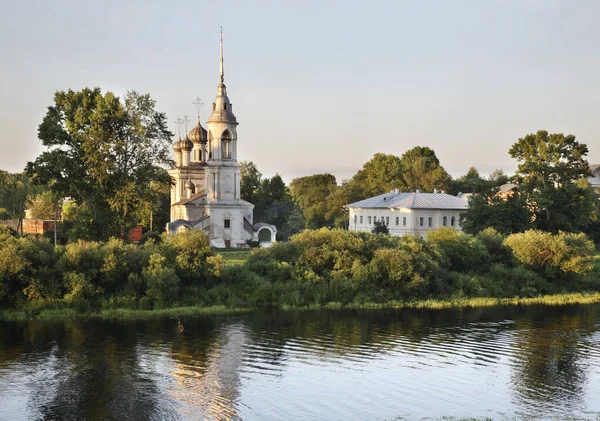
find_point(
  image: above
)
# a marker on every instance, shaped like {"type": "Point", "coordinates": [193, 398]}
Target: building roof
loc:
{"type": "Point", "coordinates": [505, 188]}
{"type": "Point", "coordinates": [594, 167]}
{"type": "Point", "coordinates": [196, 196]}
{"type": "Point", "coordinates": [415, 200]}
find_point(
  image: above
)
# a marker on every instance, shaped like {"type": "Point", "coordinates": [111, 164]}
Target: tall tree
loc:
{"type": "Point", "coordinates": [550, 167]}
{"type": "Point", "coordinates": [380, 175]}
{"type": "Point", "coordinates": [105, 153]}
{"type": "Point", "coordinates": [250, 179]}
{"type": "Point", "coordinates": [506, 214]}
{"type": "Point", "coordinates": [311, 193]}
{"type": "Point", "coordinates": [421, 170]}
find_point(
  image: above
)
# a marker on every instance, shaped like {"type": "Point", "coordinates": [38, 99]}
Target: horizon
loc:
{"type": "Point", "coordinates": [468, 79]}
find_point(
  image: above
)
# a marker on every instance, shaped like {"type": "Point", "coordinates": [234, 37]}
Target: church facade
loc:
{"type": "Point", "coordinates": [205, 194]}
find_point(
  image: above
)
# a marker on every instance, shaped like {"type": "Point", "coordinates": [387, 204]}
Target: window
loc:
{"type": "Point", "coordinates": [445, 221]}
{"type": "Point", "coordinates": [404, 220]}
{"type": "Point", "coordinates": [397, 220]}
{"type": "Point", "coordinates": [226, 145]}
{"type": "Point", "coordinates": [421, 221]}
{"type": "Point", "coordinates": [361, 219]}
{"type": "Point", "coordinates": [452, 221]}
{"type": "Point", "coordinates": [227, 223]}
{"type": "Point", "coordinates": [355, 218]}
{"type": "Point", "coordinates": [430, 221]}
{"type": "Point", "coordinates": [387, 220]}
{"type": "Point", "coordinates": [374, 219]}
{"type": "Point", "coordinates": [369, 220]}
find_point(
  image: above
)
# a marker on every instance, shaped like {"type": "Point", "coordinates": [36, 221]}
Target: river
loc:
{"type": "Point", "coordinates": [532, 362]}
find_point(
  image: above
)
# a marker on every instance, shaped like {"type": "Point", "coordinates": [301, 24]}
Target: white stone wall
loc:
{"type": "Point", "coordinates": [235, 214]}
{"type": "Point", "coordinates": [413, 225]}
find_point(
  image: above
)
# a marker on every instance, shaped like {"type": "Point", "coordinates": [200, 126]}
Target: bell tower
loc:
{"type": "Point", "coordinates": [222, 171]}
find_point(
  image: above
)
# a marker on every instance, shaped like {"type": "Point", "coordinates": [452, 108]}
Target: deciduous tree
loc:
{"type": "Point", "coordinates": [104, 152]}
{"type": "Point", "coordinates": [551, 168]}
{"type": "Point", "coordinates": [421, 170]}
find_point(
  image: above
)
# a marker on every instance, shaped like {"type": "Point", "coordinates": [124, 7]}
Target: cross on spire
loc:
{"type": "Point", "coordinates": [186, 120]}
{"type": "Point", "coordinates": [198, 103]}
{"type": "Point", "coordinates": [179, 123]}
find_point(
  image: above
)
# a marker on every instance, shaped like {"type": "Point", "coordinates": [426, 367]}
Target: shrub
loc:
{"type": "Point", "coordinates": [553, 255]}
{"type": "Point", "coordinates": [464, 252]}
{"type": "Point", "coordinates": [494, 243]}
{"type": "Point", "coordinates": [162, 282]}
{"type": "Point", "coordinates": [393, 269]}
{"type": "Point", "coordinates": [188, 251]}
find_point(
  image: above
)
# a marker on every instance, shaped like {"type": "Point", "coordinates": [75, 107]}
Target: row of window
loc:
{"type": "Point", "coordinates": [386, 220]}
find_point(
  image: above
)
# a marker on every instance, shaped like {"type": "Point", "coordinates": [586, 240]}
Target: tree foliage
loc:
{"type": "Point", "coordinates": [379, 227]}
{"type": "Point", "coordinates": [550, 170]}
{"type": "Point", "coordinates": [272, 201]}
{"type": "Point", "coordinates": [311, 194]}
{"type": "Point", "coordinates": [506, 214]}
{"type": "Point", "coordinates": [421, 170]}
{"type": "Point", "coordinates": [15, 189]}
{"type": "Point", "coordinates": [104, 152]}
{"type": "Point", "coordinates": [44, 206]}
{"type": "Point", "coordinates": [379, 175]}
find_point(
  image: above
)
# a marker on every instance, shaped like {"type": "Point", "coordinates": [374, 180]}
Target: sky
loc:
{"type": "Point", "coordinates": [318, 86]}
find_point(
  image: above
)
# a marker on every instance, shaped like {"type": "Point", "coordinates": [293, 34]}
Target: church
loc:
{"type": "Point", "coordinates": [205, 194]}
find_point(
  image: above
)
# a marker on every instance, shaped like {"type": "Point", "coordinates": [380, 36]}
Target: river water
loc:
{"type": "Point", "coordinates": [501, 363]}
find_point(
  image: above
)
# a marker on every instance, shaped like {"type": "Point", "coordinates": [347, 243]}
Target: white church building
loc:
{"type": "Point", "coordinates": [408, 213]}
{"type": "Point", "coordinates": [205, 194]}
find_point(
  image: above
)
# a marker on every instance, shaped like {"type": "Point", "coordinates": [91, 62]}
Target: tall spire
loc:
{"type": "Point", "coordinates": [222, 74]}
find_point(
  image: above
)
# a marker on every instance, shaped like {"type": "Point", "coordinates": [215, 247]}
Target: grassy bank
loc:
{"type": "Point", "coordinates": [188, 311]}
{"type": "Point", "coordinates": [234, 257]}
{"type": "Point", "coordinates": [121, 313]}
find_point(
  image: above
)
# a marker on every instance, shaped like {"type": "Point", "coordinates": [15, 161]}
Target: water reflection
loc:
{"type": "Point", "coordinates": [500, 362]}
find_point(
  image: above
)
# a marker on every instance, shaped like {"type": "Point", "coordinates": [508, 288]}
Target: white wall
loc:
{"type": "Point", "coordinates": [412, 219]}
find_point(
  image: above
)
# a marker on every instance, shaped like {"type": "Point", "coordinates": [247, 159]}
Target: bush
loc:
{"type": "Point", "coordinates": [553, 255]}
{"type": "Point", "coordinates": [494, 243]}
{"type": "Point", "coordinates": [464, 252]}
{"type": "Point", "coordinates": [162, 282]}
{"type": "Point", "coordinates": [188, 252]}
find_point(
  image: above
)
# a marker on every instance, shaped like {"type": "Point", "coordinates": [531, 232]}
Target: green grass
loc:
{"type": "Point", "coordinates": [550, 300]}
{"type": "Point", "coordinates": [121, 313]}
{"type": "Point", "coordinates": [235, 257]}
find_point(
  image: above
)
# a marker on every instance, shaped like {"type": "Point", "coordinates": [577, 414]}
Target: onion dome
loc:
{"type": "Point", "coordinates": [177, 146]}
{"type": "Point", "coordinates": [198, 134]}
{"type": "Point", "coordinates": [186, 144]}
{"type": "Point", "coordinates": [189, 185]}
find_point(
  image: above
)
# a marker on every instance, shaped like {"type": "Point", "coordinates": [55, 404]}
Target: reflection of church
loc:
{"type": "Point", "coordinates": [206, 190]}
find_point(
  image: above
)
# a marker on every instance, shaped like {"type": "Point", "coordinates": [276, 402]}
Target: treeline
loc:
{"type": "Point", "coordinates": [318, 201]}
{"type": "Point", "coordinates": [108, 154]}
{"type": "Point", "coordinates": [315, 267]}
{"type": "Point", "coordinates": [550, 189]}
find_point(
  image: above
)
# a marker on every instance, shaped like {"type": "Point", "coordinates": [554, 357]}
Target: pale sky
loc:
{"type": "Point", "coordinates": [318, 86]}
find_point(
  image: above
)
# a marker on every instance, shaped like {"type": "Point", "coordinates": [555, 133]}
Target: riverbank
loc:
{"type": "Point", "coordinates": [190, 311]}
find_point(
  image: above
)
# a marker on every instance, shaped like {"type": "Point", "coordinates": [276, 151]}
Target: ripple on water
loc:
{"type": "Point", "coordinates": [501, 363]}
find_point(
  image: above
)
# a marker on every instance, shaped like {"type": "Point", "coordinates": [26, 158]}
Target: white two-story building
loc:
{"type": "Point", "coordinates": [408, 213]}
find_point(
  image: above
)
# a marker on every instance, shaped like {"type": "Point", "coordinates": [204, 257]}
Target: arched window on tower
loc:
{"type": "Point", "coordinates": [210, 146]}
{"type": "Point", "coordinates": [226, 145]}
